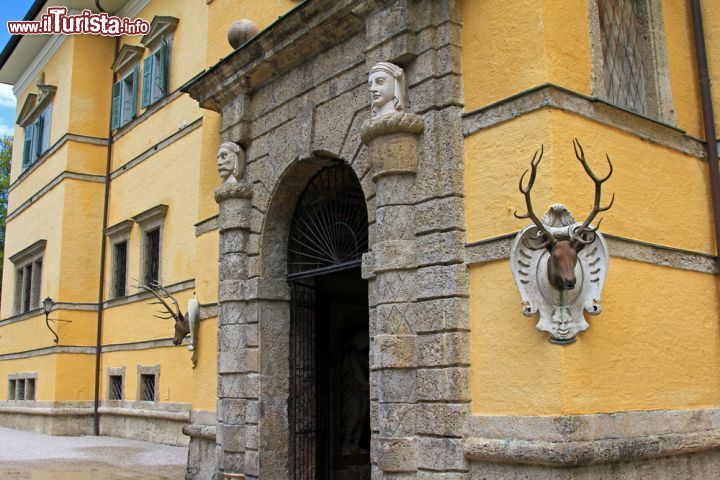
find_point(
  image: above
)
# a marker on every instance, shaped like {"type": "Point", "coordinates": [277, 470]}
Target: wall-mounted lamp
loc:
{"type": "Point", "coordinates": [48, 305]}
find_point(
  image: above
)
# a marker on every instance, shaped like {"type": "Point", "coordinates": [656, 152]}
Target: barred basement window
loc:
{"type": "Point", "coordinates": [148, 387]}
{"type": "Point", "coordinates": [119, 280]}
{"type": "Point", "coordinates": [30, 389]}
{"type": "Point", "coordinates": [12, 389]}
{"type": "Point", "coordinates": [116, 387]}
{"type": "Point", "coordinates": [630, 68]}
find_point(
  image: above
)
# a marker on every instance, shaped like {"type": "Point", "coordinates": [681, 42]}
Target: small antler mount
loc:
{"type": "Point", "coordinates": [559, 265]}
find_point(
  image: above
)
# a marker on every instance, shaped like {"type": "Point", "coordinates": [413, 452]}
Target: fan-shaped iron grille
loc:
{"type": "Point", "coordinates": [330, 224]}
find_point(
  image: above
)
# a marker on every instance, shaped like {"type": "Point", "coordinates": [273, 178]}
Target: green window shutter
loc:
{"type": "Point", "coordinates": [147, 81]}
{"type": "Point", "coordinates": [27, 145]}
{"type": "Point", "coordinates": [133, 113]}
{"type": "Point", "coordinates": [39, 127]}
{"type": "Point", "coordinates": [45, 144]}
{"type": "Point", "coordinates": [164, 65]}
{"type": "Point", "coordinates": [116, 104]}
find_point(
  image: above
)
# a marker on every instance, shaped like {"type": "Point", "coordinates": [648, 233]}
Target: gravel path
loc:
{"type": "Point", "coordinates": [28, 455]}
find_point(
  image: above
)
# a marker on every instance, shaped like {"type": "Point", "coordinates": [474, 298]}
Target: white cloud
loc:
{"type": "Point", "coordinates": [5, 130]}
{"type": "Point", "coordinates": [7, 99]}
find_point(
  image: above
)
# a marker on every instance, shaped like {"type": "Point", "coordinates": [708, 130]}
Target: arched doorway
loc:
{"type": "Point", "coordinates": [329, 338]}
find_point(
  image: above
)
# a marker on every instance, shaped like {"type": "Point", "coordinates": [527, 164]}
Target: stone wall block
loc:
{"type": "Point", "coordinates": [394, 190]}
{"type": "Point", "coordinates": [441, 454]}
{"type": "Point", "coordinates": [437, 37]}
{"type": "Point", "coordinates": [235, 111]}
{"type": "Point", "coordinates": [394, 351]}
{"type": "Point", "coordinates": [442, 281]}
{"type": "Point", "coordinates": [251, 437]}
{"type": "Point", "coordinates": [396, 386]}
{"type": "Point", "coordinates": [368, 265]}
{"type": "Point", "coordinates": [232, 437]}
{"type": "Point", "coordinates": [440, 247]}
{"type": "Point", "coordinates": [239, 360]}
{"type": "Point", "coordinates": [252, 412]}
{"type": "Point", "coordinates": [431, 475]}
{"type": "Point", "coordinates": [395, 318]}
{"type": "Point", "coordinates": [396, 286]}
{"type": "Point", "coordinates": [394, 255]}
{"type": "Point", "coordinates": [444, 349]}
{"type": "Point", "coordinates": [444, 91]}
{"type": "Point", "coordinates": [232, 312]}
{"type": "Point", "coordinates": [251, 335]}
{"type": "Point", "coordinates": [384, 24]}
{"type": "Point", "coordinates": [233, 241]}
{"type": "Point", "coordinates": [232, 291]}
{"type": "Point", "coordinates": [393, 154]}
{"type": "Point", "coordinates": [440, 214]}
{"type": "Point", "coordinates": [397, 419]}
{"type": "Point", "coordinates": [434, 63]}
{"type": "Point", "coordinates": [252, 463]}
{"type": "Point", "coordinates": [233, 462]}
{"type": "Point", "coordinates": [446, 419]}
{"type": "Point", "coordinates": [372, 322]}
{"type": "Point", "coordinates": [451, 384]}
{"type": "Point", "coordinates": [232, 411]}
{"type": "Point", "coordinates": [399, 49]}
{"type": "Point", "coordinates": [232, 337]}
{"type": "Point", "coordinates": [441, 162]}
{"type": "Point", "coordinates": [239, 385]}
{"type": "Point", "coordinates": [234, 213]}
{"type": "Point", "coordinates": [395, 454]}
{"type": "Point", "coordinates": [395, 223]}
{"type": "Point", "coordinates": [233, 266]}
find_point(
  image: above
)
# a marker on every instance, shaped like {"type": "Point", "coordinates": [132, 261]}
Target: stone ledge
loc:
{"type": "Point", "coordinates": [553, 96]}
{"type": "Point", "coordinates": [183, 416]}
{"type": "Point", "coordinates": [498, 248]}
{"type": "Point", "coordinates": [205, 432]}
{"type": "Point", "coordinates": [571, 454]}
{"type": "Point", "coordinates": [391, 123]}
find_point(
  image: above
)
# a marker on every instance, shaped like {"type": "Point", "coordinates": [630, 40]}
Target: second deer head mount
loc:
{"type": "Point", "coordinates": [559, 265]}
{"type": "Point", "coordinates": [162, 297]}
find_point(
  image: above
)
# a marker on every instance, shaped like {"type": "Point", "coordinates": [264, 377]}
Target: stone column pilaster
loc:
{"type": "Point", "coordinates": [238, 380]}
{"type": "Point", "coordinates": [391, 268]}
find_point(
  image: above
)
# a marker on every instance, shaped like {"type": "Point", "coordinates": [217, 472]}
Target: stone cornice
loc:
{"type": "Point", "coordinates": [308, 29]}
{"type": "Point", "coordinates": [159, 27]}
{"type": "Point", "coordinates": [28, 252]}
{"type": "Point", "coordinates": [34, 104]}
{"type": "Point", "coordinates": [119, 229]}
{"type": "Point", "coordinates": [553, 96]}
{"type": "Point", "coordinates": [128, 55]}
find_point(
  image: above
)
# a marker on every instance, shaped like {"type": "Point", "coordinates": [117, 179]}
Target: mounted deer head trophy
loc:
{"type": "Point", "coordinates": [558, 264]}
{"type": "Point", "coordinates": [182, 323]}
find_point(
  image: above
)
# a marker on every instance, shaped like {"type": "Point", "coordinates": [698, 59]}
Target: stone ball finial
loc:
{"type": "Point", "coordinates": [230, 162]}
{"type": "Point", "coordinates": [241, 31]}
{"type": "Point", "coordinates": [387, 89]}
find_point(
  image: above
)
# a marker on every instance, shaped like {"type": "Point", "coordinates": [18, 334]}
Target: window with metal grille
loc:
{"type": "Point", "coordinates": [151, 270]}
{"type": "Point", "coordinates": [12, 384]}
{"type": "Point", "coordinates": [148, 388]}
{"type": "Point", "coordinates": [630, 63]}
{"type": "Point", "coordinates": [29, 389]}
{"type": "Point", "coordinates": [119, 281]}
{"type": "Point", "coordinates": [116, 387]}
{"type": "Point", "coordinates": [20, 389]}
{"type": "Point", "coordinates": [621, 34]}
{"type": "Point", "coordinates": [27, 288]}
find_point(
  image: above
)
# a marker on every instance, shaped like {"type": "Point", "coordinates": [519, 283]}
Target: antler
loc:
{"type": "Point", "coordinates": [579, 231]}
{"type": "Point", "coordinates": [154, 288]}
{"type": "Point", "coordinates": [542, 231]}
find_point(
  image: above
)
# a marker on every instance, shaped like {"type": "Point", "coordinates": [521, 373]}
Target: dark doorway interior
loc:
{"type": "Point", "coordinates": [330, 406]}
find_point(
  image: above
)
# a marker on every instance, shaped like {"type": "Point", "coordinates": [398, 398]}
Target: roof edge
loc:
{"type": "Point", "coordinates": [35, 8]}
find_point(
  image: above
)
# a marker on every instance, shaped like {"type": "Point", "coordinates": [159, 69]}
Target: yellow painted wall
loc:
{"type": "Point", "coordinates": [654, 346]}
{"type": "Point", "coordinates": [91, 86]}
{"type": "Point", "coordinates": [222, 13]}
{"type": "Point", "coordinates": [662, 195]}
{"type": "Point", "coordinates": [76, 377]}
{"type": "Point", "coordinates": [178, 382]}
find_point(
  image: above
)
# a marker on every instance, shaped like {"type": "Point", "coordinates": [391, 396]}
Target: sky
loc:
{"type": "Point", "coordinates": [9, 10]}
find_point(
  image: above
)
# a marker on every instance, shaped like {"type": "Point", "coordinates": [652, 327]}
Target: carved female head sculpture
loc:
{"type": "Point", "coordinates": [387, 88]}
{"type": "Point", "coordinates": [230, 162]}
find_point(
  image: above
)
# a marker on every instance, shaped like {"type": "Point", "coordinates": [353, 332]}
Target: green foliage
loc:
{"type": "Point", "coordinates": [6, 143]}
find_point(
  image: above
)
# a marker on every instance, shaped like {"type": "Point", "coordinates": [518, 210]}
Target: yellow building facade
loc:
{"type": "Point", "coordinates": [114, 183]}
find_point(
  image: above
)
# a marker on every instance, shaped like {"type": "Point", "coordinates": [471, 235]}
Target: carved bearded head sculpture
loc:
{"type": "Point", "coordinates": [230, 162]}
{"type": "Point", "coordinates": [387, 89]}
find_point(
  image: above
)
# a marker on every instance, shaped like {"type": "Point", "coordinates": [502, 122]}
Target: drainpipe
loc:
{"type": "Point", "coordinates": [103, 254]}
{"type": "Point", "coordinates": [708, 115]}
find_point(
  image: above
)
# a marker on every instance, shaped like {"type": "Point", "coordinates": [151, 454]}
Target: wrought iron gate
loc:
{"type": "Point", "coordinates": [304, 408]}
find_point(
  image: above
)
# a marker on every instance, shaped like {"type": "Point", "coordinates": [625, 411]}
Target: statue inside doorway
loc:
{"type": "Point", "coordinates": [355, 394]}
